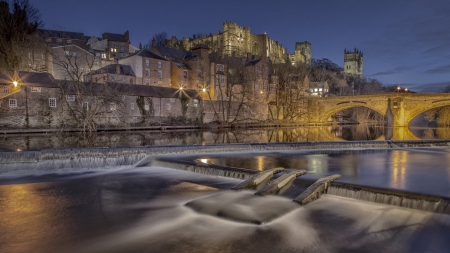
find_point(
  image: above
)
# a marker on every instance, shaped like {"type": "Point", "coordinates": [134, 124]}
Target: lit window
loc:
{"type": "Point", "coordinates": [320, 89]}
{"type": "Point", "coordinates": [132, 106]}
{"type": "Point", "coordinates": [147, 73]}
{"type": "Point", "coordinates": [13, 103]}
{"type": "Point", "coordinates": [5, 89]}
{"type": "Point", "coordinates": [147, 62]}
{"type": "Point", "coordinates": [159, 65]}
{"type": "Point", "coordinates": [315, 89]}
{"type": "Point", "coordinates": [70, 98]}
{"type": "Point", "coordinates": [103, 56]}
{"type": "Point", "coordinates": [159, 74]}
{"type": "Point", "coordinates": [112, 106]}
{"type": "Point", "coordinates": [52, 102]}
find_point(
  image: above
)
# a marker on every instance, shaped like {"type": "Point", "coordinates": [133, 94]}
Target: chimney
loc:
{"type": "Point", "coordinates": [118, 69]}
{"type": "Point", "coordinates": [127, 35]}
{"type": "Point", "coordinates": [153, 42]}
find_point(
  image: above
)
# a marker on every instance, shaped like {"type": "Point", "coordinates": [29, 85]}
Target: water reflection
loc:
{"type": "Point", "coordinates": [398, 161]}
{"type": "Point", "coordinates": [149, 138]}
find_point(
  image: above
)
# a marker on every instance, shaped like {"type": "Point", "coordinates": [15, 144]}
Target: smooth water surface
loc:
{"type": "Point", "coordinates": [26, 141]}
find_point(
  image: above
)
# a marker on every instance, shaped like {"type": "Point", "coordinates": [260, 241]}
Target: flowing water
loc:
{"type": "Point", "coordinates": [97, 200]}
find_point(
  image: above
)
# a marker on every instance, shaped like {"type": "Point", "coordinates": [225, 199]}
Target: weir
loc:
{"type": "Point", "coordinates": [391, 197]}
{"type": "Point", "coordinates": [280, 182]}
{"type": "Point", "coordinates": [314, 191]}
{"type": "Point", "coordinates": [257, 179]}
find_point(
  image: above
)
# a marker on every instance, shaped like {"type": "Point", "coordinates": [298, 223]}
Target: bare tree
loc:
{"type": "Point", "coordinates": [160, 40]}
{"type": "Point", "coordinates": [19, 21]}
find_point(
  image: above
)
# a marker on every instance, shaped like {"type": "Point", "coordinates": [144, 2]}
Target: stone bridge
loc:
{"type": "Point", "coordinates": [398, 108]}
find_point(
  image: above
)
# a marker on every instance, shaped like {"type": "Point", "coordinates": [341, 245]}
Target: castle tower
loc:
{"type": "Point", "coordinates": [303, 52]}
{"type": "Point", "coordinates": [353, 62]}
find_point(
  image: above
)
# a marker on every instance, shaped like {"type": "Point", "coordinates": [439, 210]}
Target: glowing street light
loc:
{"type": "Point", "coordinates": [204, 90]}
{"type": "Point", "coordinates": [181, 88]}
{"type": "Point", "coordinates": [406, 89]}
{"type": "Point", "coordinates": [15, 83]}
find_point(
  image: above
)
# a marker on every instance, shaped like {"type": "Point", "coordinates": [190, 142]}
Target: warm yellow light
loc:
{"type": "Point", "coordinates": [261, 92]}
{"type": "Point", "coordinates": [181, 88]}
{"type": "Point", "coordinates": [204, 90]}
{"type": "Point", "coordinates": [406, 89]}
{"type": "Point", "coordinates": [204, 160]}
{"type": "Point", "coordinates": [15, 83]}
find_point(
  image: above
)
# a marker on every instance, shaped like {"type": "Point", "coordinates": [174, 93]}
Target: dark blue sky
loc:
{"type": "Point", "coordinates": [405, 42]}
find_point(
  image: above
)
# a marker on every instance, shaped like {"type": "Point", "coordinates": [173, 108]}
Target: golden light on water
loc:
{"type": "Point", "coordinates": [399, 161]}
{"type": "Point", "coordinates": [260, 163]}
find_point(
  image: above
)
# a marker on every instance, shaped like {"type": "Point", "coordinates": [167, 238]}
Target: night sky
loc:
{"type": "Point", "coordinates": [405, 42]}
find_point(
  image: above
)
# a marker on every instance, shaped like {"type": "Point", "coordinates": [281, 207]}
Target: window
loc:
{"type": "Point", "coordinates": [74, 54]}
{"type": "Point", "coordinates": [70, 98]}
{"type": "Point", "coordinates": [113, 78]}
{"type": "Point", "coordinates": [147, 73]}
{"type": "Point", "coordinates": [112, 106]}
{"type": "Point", "coordinates": [97, 54]}
{"type": "Point", "coordinates": [195, 100]}
{"type": "Point", "coordinates": [147, 62]}
{"type": "Point", "coordinates": [172, 100]}
{"type": "Point", "coordinates": [5, 89]}
{"type": "Point", "coordinates": [66, 52]}
{"type": "Point", "coordinates": [185, 74]}
{"type": "Point", "coordinates": [122, 48]}
{"type": "Point", "coordinates": [52, 102]}
{"type": "Point", "coordinates": [86, 106]}
{"type": "Point", "coordinates": [159, 74]}
{"type": "Point", "coordinates": [221, 79]}
{"type": "Point", "coordinates": [159, 65]}
{"type": "Point", "coordinates": [131, 80]}
{"type": "Point", "coordinates": [220, 67]}
{"type": "Point", "coordinates": [132, 106]}
{"type": "Point", "coordinates": [69, 41]}
{"type": "Point", "coordinates": [48, 39]}
{"type": "Point", "coordinates": [103, 56]}
{"type": "Point", "coordinates": [13, 103]}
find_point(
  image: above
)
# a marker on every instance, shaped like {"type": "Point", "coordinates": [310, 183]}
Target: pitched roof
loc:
{"type": "Point", "coordinates": [35, 79]}
{"type": "Point", "coordinates": [252, 62]}
{"type": "Point", "coordinates": [199, 46]}
{"type": "Point", "coordinates": [145, 53]}
{"type": "Point", "coordinates": [114, 37]}
{"type": "Point", "coordinates": [61, 34]}
{"type": "Point", "coordinates": [98, 89]}
{"type": "Point", "coordinates": [173, 53]}
{"type": "Point", "coordinates": [180, 64]}
{"type": "Point", "coordinates": [318, 84]}
{"type": "Point", "coordinates": [125, 70]}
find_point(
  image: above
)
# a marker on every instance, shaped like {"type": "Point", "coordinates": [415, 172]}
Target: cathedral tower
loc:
{"type": "Point", "coordinates": [353, 62]}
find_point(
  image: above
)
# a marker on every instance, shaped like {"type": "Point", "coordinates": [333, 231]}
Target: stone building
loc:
{"type": "Point", "coordinates": [113, 73]}
{"type": "Point", "coordinates": [150, 69]}
{"type": "Point", "coordinates": [63, 38]}
{"type": "Point", "coordinates": [353, 62]}
{"type": "Point", "coordinates": [112, 46]}
{"type": "Point", "coordinates": [43, 102]}
{"type": "Point", "coordinates": [238, 41]}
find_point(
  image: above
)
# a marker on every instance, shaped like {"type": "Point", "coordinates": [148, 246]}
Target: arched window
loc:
{"type": "Point", "coordinates": [255, 50]}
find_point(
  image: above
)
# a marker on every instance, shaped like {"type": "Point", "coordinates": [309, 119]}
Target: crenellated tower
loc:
{"type": "Point", "coordinates": [353, 62]}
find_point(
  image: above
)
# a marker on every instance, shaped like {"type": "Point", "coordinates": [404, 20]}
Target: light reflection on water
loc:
{"type": "Point", "coordinates": [146, 138]}
{"type": "Point", "coordinates": [417, 170]}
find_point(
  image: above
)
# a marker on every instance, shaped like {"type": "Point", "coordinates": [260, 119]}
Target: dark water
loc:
{"type": "Point", "coordinates": [144, 138]}
{"type": "Point", "coordinates": [424, 171]}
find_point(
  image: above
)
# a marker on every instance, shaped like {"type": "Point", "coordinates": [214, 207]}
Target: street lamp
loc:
{"type": "Point", "coordinates": [15, 83]}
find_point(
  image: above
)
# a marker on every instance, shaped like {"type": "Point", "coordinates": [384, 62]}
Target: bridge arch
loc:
{"type": "Point", "coordinates": [421, 107]}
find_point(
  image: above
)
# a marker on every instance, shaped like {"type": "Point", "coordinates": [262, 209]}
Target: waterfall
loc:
{"type": "Point", "coordinates": [206, 169]}
{"type": "Point", "coordinates": [391, 197]}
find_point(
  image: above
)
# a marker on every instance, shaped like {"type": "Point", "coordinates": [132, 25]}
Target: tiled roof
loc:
{"type": "Point", "coordinates": [61, 34]}
{"type": "Point", "coordinates": [173, 53]}
{"type": "Point", "coordinates": [35, 79]}
{"type": "Point", "coordinates": [145, 53]}
{"type": "Point", "coordinates": [125, 70]}
{"type": "Point", "coordinates": [114, 37]}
